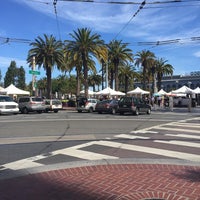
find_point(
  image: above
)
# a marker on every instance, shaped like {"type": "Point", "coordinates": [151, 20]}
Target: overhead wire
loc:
{"type": "Point", "coordinates": [57, 22]}
{"type": "Point", "coordinates": [134, 15]}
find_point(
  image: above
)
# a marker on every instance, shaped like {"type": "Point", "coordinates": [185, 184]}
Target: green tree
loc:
{"type": "Point", "coordinates": [127, 74]}
{"type": "Point", "coordinates": [20, 82]}
{"type": "Point", "coordinates": [93, 80]}
{"type": "Point", "coordinates": [11, 74]}
{"type": "Point", "coordinates": [118, 52]}
{"type": "Point", "coordinates": [146, 60]}
{"type": "Point", "coordinates": [84, 45]}
{"type": "Point", "coordinates": [162, 69]}
{"type": "Point", "coordinates": [48, 52]}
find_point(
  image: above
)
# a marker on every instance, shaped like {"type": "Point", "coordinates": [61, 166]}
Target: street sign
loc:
{"type": "Point", "coordinates": [34, 72]}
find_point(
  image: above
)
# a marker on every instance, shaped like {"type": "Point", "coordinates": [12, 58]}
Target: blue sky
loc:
{"type": "Point", "coordinates": [27, 19]}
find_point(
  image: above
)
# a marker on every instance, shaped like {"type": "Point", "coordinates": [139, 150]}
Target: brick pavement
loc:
{"type": "Point", "coordinates": [107, 182]}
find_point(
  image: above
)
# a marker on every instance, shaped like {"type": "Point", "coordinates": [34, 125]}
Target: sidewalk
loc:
{"type": "Point", "coordinates": [106, 180]}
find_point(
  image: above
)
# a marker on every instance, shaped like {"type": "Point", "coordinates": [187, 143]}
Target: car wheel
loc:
{"type": "Point", "coordinates": [79, 111]}
{"type": "Point", "coordinates": [121, 113]}
{"type": "Point", "coordinates": [113, 111]}
{"type": "Point", "coordinates": [25, 111]}
{"type": "Point", "coordinates": [90, 110]}
{"type": "Point", "coordinates": [137, 111]}
{"type": "Point", "coordinates": [39, 111]}
{"type": "Point", "coordinates": [149, 111]}
{"type": "Point", "coordinates": [55, 111]}
{"type": "Point", "coordinates": [99, 112]}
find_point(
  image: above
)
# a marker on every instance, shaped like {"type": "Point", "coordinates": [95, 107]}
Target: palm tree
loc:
{"type": "Point", "coordinates": [48, 52]}
{"type": "Point", "coordinates": [118, 52]}
{"type": "Point", "coordinates": [73, 60]}
{"type": "Point", "coordinates": [86, 44]}
{"type": "Point", "coordinates": [127, 74]}
{"type": "Point", "coordinates": [94, 79]}
{"type": "Point", "coordinates": [162, 68]}
{"type": "Point", "coordinates": [146, 59]}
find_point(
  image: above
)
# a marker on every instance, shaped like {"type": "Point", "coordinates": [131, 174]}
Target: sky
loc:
{"type": "Point", "coordinates": [170, 29]}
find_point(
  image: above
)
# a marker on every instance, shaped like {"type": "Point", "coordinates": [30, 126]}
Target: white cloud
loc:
{"type": "Point", "coordinates": [197, 54]}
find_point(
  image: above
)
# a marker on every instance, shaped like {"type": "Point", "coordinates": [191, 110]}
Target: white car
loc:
{"type": "Point", "coordinates": [53, 105]}
{"type": "Point", "coordinates": [87, 105]}
{"type": "Point", "coordinates": [8, 106]}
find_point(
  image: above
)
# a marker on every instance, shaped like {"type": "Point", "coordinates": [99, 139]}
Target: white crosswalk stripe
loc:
{"type": "Point", "coordinates": [180, 143]}
{"type": "Point", "coordinates": [78, 151]}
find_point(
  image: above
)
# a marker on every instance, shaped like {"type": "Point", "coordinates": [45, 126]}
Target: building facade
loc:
{"type": "Point", "coordinates": [170, 83]}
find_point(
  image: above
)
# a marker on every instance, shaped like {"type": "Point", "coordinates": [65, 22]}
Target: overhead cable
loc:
{"type": "Point", "coordinates": [138, 10]}
{"type": "Point", "coordinates": [55, 10]}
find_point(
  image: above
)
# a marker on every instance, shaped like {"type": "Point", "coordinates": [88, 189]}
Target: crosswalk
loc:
{"type": "Point", "coordinates": [175, 140]}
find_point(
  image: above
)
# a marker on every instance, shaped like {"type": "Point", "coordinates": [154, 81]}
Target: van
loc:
{"type": "Point", "coordinates": [7, 105]}
{"type": "Point", "coordinates": [31, 104]}
{"type": "Point", "coordinates": [133, 105]}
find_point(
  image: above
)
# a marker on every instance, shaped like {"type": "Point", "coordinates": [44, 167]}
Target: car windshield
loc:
{"type": "Point", "coordinates": [5, 99]}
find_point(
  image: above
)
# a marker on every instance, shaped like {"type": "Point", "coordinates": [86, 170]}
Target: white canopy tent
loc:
{"type": "Point", "coordinates": [183, 90]}
{"type": "Point", "coordinates": [197, 90]}
{"type": "Point", "coordinates": [138, 91]}
{"type": "Point", "coordinates": [89, 92]}
{"type": "Point", "coordinates": [12, 90]}
{"type": "Point", "coordinates": [109, 91]}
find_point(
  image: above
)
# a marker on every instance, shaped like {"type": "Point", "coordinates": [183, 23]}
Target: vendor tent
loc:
{"type": "Point", "coordinates": [183, 90]}
{"type": "Point", "coordinates": [160, 93]}
{"type": "Point", "coordinates": [138, 91]}
{"type": "Point", "coordinates": [109, 91]}
{"type": "Point", "coordinates": [89, 92]}
{"type": "Point", "coordinates": [197, 90]}
{"type": "Point", "coordinates": [12, 90]}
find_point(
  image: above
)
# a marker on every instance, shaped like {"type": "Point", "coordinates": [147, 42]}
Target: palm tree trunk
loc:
{"type": "Point", "coordinates": [78, 82]}
{"type": "Point", "coordinates": [49, 88]}
{"type": "Point", "coordinates": [102, 75]}
{"type": "Point", "coordinates": [85, 71]}
{"type": "Point", "coordinates": [116, 75]}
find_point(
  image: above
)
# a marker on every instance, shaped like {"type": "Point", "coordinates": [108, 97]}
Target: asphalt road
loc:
{"type": "Point", "coordinates": [69, 136]}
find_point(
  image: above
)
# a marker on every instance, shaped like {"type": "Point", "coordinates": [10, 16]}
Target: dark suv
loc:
{"type": "Point", "coordinates": [133, 105]}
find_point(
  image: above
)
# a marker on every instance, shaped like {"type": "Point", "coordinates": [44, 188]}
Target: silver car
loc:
{"type": "Point", "coordinates": [31, 104]}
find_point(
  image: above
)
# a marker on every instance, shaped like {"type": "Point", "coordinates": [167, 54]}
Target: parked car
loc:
{"type": "Point", "coordinates": [107, 106]}
{"type": "Point", "coordinates": [31, 104]}
{"type": "Point", "coordinates": [7, 105]}
{"type": "Point", "coordinates": [85, 104]}
{"type": "Point", "coordinates": [53, 105]}
{"type": "Point", "coordinates": [133, 105]}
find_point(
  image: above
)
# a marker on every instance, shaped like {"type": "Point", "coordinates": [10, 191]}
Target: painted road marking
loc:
{"type": "Point", "coordinates": [184, 136]}
{"type": "Point", "coordinates": [180, 143]}
{"type": "Point", "coordinates": [127, 136]}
